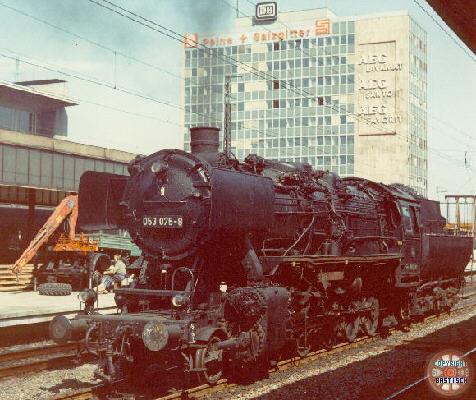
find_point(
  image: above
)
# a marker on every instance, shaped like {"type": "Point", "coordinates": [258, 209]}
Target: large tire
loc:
{"type": "Point", "coordinates": [54, 289]}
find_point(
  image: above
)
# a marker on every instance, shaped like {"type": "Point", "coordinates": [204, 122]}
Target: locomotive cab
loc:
{"type": "Point", "coordinates": [408, 274]}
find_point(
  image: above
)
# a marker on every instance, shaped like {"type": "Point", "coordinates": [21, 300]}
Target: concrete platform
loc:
{"type": "Point", "coordinates": [17, 308]}
{"type": "Point", "coordinates": [21, 308]}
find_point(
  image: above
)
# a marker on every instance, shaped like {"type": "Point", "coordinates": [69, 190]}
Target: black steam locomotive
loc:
{"type": "Point", "coordinates": [254, 261]}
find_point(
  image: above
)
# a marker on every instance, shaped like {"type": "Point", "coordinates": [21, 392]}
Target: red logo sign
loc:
{"type": "Point", "coordinates": [323, 27]}
{"type": "Point", "coordinates": [190, 40]}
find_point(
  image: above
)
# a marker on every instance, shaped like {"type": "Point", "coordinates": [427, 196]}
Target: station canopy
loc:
{"type": "Point", "coordinates": [22, 96]}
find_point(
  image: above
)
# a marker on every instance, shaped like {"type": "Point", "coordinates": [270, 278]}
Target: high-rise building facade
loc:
{"type": "Point", "coordinates": [346, 94]}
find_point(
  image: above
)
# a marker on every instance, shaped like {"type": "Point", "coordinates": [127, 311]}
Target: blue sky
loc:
{"type": "Point", "coordinates": [451, 74]}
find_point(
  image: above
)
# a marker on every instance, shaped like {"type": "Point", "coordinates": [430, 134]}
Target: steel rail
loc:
{"type": "Point", "coordinates": [223, 384]}
{"type": "Point", "coordinates": [25, 361]}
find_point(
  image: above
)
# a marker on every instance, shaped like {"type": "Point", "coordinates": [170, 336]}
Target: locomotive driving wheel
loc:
{"type": "Point", "coordinates": [328, 340]}
{"type": "Point", "coordinates": [303, 344]}
{"type": "Point", "coordinates": [403, 313]}
{"type": "Point", "coordinates": [327, 335]}
{"type": "Point", "coordinates": [372, 319]}
{"type": "Point", "coordinates": [352, 325]}
{"type": "Point", "coordinates": [209, 362]}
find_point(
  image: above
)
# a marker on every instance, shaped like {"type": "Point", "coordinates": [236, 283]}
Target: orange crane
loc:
{"type": "Point", "coordinates": [68, 208]}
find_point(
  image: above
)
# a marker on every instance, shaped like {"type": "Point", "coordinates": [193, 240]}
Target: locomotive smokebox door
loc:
{"type": "Point", "coordinates": [100, 194]}
{"type": "Point", "coordinates": [241, 202]}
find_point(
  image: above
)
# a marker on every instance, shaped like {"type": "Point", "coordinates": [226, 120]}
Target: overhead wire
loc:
{"type": "Point", "coordinates": [260, 75]}
{"type": "Point", "coordinates": [181, 38]}
{"type": "Point", "coordinates": [178, 37]}
{"type": "Point", "coordinates": [115, 52]}
{"type": "Point", "coordinates": [90, 41]}
{"type": "Point", "coordinates": [256, 72]}
{"type": "Point", "coordinates": [471, 56]}
{"type": "Point", "coordinates": [407, 139]}
{"type": "Point", "coordinates": [456, 130]}
{"type": "Point", "coordinates": [95, 81]}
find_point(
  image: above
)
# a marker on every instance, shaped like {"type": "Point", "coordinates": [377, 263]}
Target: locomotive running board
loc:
{"type": "Point", "coordinates": [270, 263]}
{"type": "Point", "coordinates": [149, 292]}
{"type": "Point", "coordinates": [320, 259]}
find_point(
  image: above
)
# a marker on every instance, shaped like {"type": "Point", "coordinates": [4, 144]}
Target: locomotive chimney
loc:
{"type": "Point", "coordinates": [204, 142]}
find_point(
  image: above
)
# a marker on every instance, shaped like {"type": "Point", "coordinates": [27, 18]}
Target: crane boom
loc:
{"type": "Point", "coordinates": [68, 208]}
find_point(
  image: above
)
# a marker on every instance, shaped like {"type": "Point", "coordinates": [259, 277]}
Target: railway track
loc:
{"type": "Point", "coordinates": [203, 391]}
{"type": "Point", "coordinates": [14, 363]}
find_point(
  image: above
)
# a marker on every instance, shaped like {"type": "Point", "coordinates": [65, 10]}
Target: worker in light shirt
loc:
{"type": "Point", "coordinates": [115, 273]}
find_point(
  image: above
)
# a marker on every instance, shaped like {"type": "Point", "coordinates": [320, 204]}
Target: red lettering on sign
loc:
{"type": "Point", "coordinates": [190, 40]}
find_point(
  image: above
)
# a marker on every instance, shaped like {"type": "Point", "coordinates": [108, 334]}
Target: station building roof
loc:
{"type": "Point", "coordinates": [23, 96]}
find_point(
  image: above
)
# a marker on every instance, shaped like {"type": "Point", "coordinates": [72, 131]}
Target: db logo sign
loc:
{"type": "Point", "coordinates": [267, 11]}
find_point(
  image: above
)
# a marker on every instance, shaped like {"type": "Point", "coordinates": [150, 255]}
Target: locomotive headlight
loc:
{"type": "Point", "coordinates": [155, 335]}
{"type": "Point", "coordinates": [179, 300]}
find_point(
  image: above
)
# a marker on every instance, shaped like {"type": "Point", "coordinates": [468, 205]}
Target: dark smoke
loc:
{"type": "Point", "coordinates": [207, 16]}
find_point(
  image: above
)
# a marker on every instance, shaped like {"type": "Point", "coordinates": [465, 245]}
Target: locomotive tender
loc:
{"type": "Point", "coordinates": [253, 261]}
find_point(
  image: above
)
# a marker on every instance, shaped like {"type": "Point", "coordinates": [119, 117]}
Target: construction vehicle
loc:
{"type": "Point", "coordinates": [72, 260]}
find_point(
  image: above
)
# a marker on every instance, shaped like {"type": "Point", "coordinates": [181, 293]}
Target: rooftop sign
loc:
{"type": "Point", "coordinates": [267, 11]}
{"type": "Point", "coordinates": [258, 35]}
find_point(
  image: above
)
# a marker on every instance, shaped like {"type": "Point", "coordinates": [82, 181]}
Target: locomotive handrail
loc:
{"type": "Point", "coordinates": [334, 259]}
{"type": "Point", "coordinates": [162, 201]}
{"type": "Point", "coordinates": [150, 292]}
{"type": "Point", "coordinates": [374, 237]}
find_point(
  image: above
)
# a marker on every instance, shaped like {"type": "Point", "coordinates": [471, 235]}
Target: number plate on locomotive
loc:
{"type": "Point", "coordinates": [164, 221]}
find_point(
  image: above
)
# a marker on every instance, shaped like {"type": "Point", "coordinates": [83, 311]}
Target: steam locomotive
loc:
{"type": "Point", "coordinates": [249, 262]}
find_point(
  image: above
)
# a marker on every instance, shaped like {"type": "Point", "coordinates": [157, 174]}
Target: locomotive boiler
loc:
{"type": "Point", "coordinates": [253, 261]}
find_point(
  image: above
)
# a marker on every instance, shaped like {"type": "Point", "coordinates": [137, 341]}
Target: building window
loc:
{"type": "Point", "coordinates": [32, 123]}
{"type": "Point", "coordinates": [320, 101]}
{"type": "Point", "coordinates": [275, 103]}
{"type": "Point", "coordinates": [275, 84]}
{"type": "Point", "coordinates": [276, 46]}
